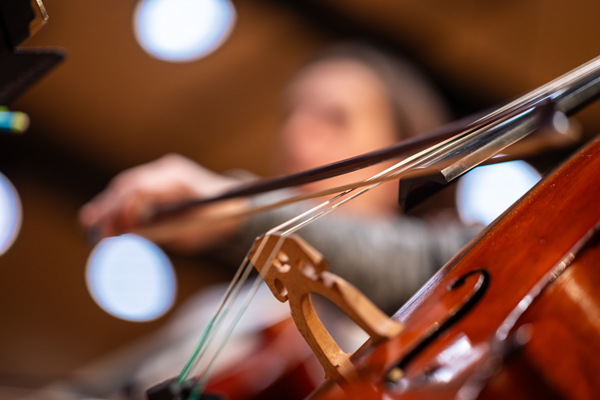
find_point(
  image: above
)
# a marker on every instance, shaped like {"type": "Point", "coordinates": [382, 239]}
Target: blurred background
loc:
{"type": "Point", "coordinates": [112, 105]}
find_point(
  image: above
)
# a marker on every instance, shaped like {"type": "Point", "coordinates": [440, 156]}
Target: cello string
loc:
{"type": "Point", "coordinates": [368, 159]}
{"type": "Point", "coordinates": [226, 304]}
{"type": "Point", "coordinates": [392, 172]}
{"type": "Point", "coordinates": [229, 299]}
{"type": "Point", "coordinates": [552, 86]}
{"type": "Point", "coordinates": [252, 210]}
{"type": "Point", "coordinates": [550, 90]}
{"type": "Point", "coordinates": [336, 201]}
{"type": "Point", "coordinates": [202, 379]}
{"type": "Point", "coordinates": [541, 91]}
{"type": "Point", "coordinates": [157, 230]}
{"type": "Point", "coordinates": [221, 313]}
{"type": "Point", "coordinates": [353, 164]}
{"type": "Point", "coordinates": [530, 99]}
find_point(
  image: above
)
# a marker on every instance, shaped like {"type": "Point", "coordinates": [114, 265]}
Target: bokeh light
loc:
{"type": "Point", "coordinates": [131, 278]}
{"type": "Point", "coordinates": [486, 192]}
{"type": "Point", "coordinates": [10, 214]}
{"type": "Point", "coordinates": [183, 30]}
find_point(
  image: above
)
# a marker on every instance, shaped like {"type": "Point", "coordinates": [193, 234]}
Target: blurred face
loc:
{"type": "Point", "coordinates": [337, 109]}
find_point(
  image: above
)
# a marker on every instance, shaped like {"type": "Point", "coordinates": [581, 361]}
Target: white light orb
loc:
{"type": "Point", "coordinates": [486, 192]}
{"type": "Point", "coordinates": [10, 214]}
{"type": "Point", "coordinates": [183, 30]}
{"type": "Point", "coordinates": [131, 278]}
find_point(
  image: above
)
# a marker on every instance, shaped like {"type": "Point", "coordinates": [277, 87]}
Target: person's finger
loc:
{"type": "Point", "coordinates": [191, 232]}
{"type": "Point", "coordinates": [137, 208]}
{"type": "Point", "coordinates": [121, 190]}
{"type": "Point", "coordinates": [94, 210]}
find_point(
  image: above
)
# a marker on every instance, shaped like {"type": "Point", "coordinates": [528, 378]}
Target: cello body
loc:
{"type": "Point", "coordinates": [515, 313]}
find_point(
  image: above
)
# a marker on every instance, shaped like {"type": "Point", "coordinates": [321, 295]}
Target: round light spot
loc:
{"type": "Point", "coordinates": [486, 192]}
{"type": "Point", "coordinates": [183, 30]}
{"type": "Point", "coordinates": [10, 214]}
{"type": "Point", "coordinates": [131, 278]}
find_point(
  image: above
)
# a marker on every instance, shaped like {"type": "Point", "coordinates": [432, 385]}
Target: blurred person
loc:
{"type": "Point", "coordinates": [349, 100]}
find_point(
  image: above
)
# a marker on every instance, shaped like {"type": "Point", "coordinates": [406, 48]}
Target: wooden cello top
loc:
{"type": "Point", "coordinates": [470, 310]}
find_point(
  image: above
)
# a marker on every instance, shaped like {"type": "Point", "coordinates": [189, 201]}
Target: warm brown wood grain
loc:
{"type": "Point", "coordinates": [548, 226]}
{"type": "Point", "coordinates": [293, 270]}
{"type": "Point", "coordinates": [565, 321]}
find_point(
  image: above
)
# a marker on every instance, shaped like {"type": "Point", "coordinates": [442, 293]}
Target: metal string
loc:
{"type": "Point", "coordinates": [287, 228]}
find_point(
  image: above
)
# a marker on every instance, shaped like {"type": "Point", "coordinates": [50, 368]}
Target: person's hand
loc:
{"type": "Point", "coordinates": [129, 202]}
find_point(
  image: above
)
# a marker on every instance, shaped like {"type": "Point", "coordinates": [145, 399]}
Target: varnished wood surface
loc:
{"type": "Point", "coordinates": [293, 270]}
{"type": "Point", "coordinates": [565, 324]}
{"type": "Point", "coordinates": [531, 239]}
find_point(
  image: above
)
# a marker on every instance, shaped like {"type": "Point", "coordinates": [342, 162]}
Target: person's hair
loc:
{"type": "Point", "coordinates": [416, 104]}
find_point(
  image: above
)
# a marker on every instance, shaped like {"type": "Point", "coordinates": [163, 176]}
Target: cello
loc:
{"type": "Point", "coordinates": [512, 314]}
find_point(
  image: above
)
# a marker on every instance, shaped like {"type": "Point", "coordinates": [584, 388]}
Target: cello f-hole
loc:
{"type": "Point", "coordinates": [454, 315]}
